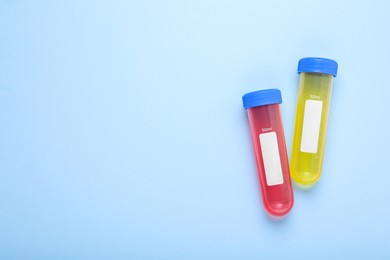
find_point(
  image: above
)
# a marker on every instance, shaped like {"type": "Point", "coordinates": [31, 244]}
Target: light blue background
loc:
{"type": "Point", "coordinates": [122, 132]}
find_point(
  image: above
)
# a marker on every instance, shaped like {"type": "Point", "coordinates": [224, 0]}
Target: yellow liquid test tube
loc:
{"type": "Point", "coordinates": [315, 87]}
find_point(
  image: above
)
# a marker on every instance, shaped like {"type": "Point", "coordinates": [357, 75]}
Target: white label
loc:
{"type": "Point", "coordinates": [271, 158]}
{"type": "Point", "coordinates": [311, 126]}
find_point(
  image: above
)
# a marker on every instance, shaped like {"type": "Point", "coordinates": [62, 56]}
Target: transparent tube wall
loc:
{"type": "Point", "coordinates": [310, 127]}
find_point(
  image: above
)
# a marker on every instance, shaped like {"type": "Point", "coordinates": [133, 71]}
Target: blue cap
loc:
{"type": "Point", "coordinates": [262, 98]}
{"type": "Point", "coordinates": [318, 65]}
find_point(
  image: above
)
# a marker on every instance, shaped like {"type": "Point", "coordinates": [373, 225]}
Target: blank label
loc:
{"type": "Point", "coordinates": [311, 126]}
{"type": "Point", "coordinates": [271, 158]}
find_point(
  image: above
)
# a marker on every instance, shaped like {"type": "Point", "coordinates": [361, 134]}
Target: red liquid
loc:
{"type": "Point", "coordinates": [278, 199]}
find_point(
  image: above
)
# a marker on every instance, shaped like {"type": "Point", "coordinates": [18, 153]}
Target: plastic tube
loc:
{"type": "Point", "coordinates": [270, 150]}
{"type": "Point", "coordinates": [315, 87]}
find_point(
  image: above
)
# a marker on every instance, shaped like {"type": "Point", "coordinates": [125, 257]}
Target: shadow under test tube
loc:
{"type": "Point", "coordinates": [270, 150]}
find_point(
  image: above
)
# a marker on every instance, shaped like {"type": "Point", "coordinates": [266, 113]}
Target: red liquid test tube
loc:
{"type": "Point", "coordinates": [270, 150]}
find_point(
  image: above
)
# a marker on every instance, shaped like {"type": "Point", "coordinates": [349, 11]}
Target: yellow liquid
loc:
{"type": "Point", "coordinates": [305, 167]}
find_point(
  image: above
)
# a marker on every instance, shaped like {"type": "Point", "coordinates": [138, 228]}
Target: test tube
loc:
{"type": "Point", "coordinates": [270, 150]}
{"type": "Point", "coordinates": [315, 87]}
